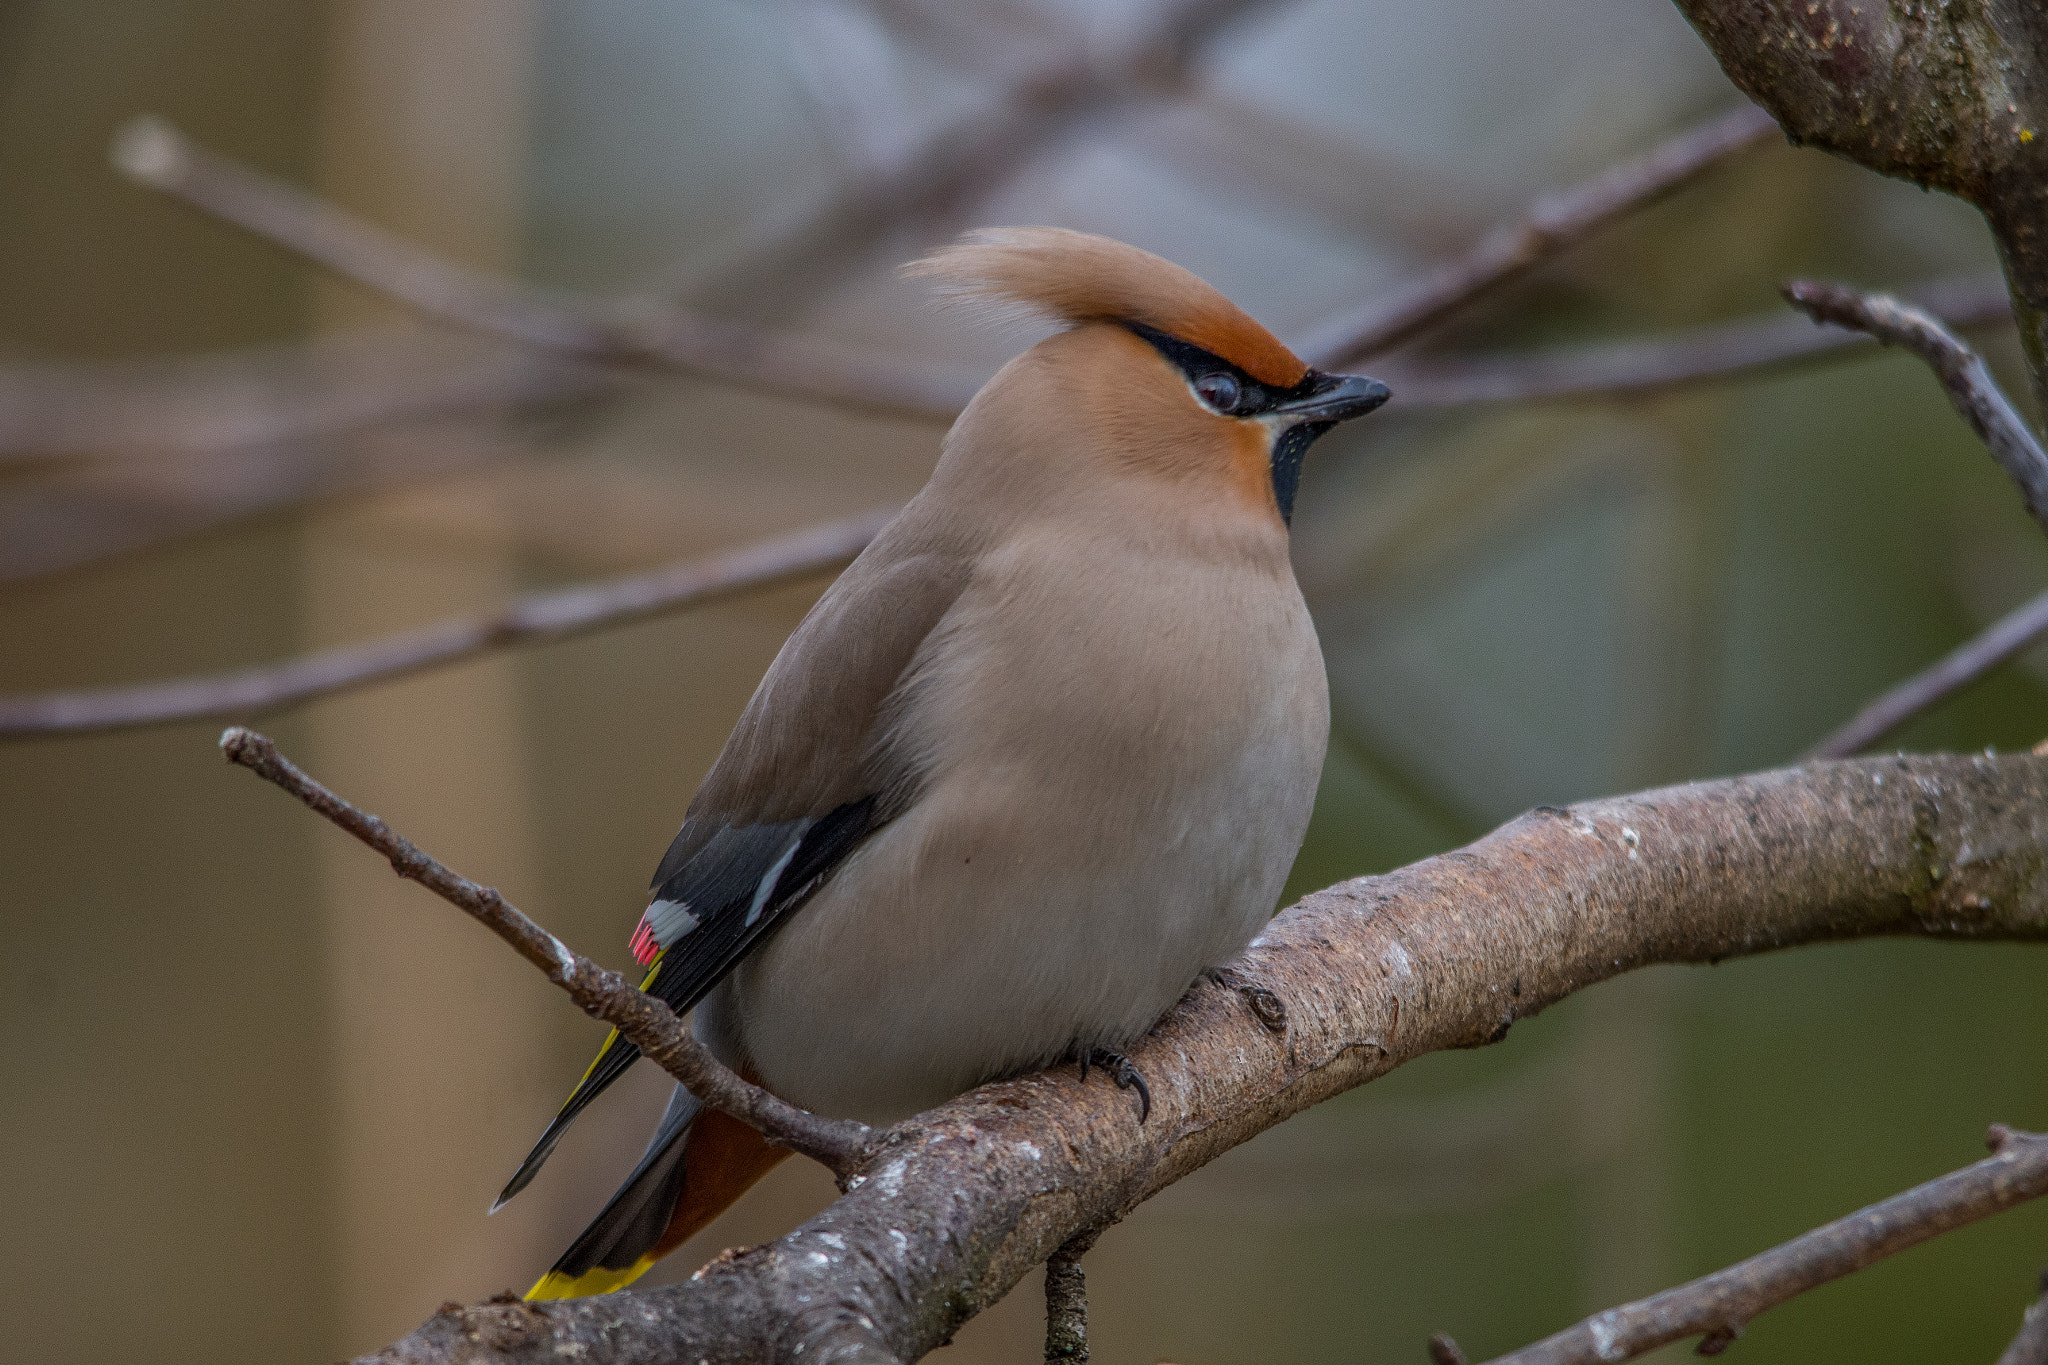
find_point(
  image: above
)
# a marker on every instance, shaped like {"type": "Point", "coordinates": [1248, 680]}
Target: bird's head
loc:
{"type": "Point", "coordinates": [1157, 370]}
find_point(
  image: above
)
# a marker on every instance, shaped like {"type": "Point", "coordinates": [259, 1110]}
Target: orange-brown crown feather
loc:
{"type": "Point", "coordinates": [1075, 277]}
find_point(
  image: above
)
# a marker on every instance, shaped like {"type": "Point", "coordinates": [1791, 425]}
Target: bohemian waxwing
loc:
{"type": "Point", "coordinates": [1042, 755]}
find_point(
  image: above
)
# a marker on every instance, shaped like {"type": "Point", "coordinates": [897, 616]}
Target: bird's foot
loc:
{"type": "Point", "coordinates": [1126, 1076]}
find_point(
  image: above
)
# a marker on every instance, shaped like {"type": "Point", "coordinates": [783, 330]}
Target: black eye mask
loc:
{"type": "Point", "coordinates": [1318, 402]}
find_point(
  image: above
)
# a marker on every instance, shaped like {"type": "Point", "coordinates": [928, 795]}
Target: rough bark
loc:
{"type": "Point", "coordinates": [953, 1207]}
{"type": "Point", "coordinates": [1949, 94]}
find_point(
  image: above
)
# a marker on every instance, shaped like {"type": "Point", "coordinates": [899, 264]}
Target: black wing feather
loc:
{"type": "Point", "coordinates": [700, 959]}
{"type": "Point", "coordinates": [718, 878]}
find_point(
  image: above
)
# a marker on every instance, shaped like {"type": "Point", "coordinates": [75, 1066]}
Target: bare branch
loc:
{"type": "Point", "coordinates": [1551, 224]}
{"type": "Point", "coordinates": [1063, 85]}
{"type": "Point", "coordinates": [1644, 365]}
{"type": "Point", "coordinates": [1969, 385]}
{"type": "Point", "coordinates": [646, 1022]}
{"type": "Point", "coordinates": [1977, 397]}
{"type": "Point", "coordinates": [962, 1201]}
{"type": "Point", "coordinates": [84, 511]}
{"type": "Point", "coordinates": [1066, 1303]}
{"type": "Point", "coordinates": [2030, 1345]}
{"type": "Point", "coordinates": [1951, 97]}
{"type": "Point", "coordinates": [175, 446]}
{"type": "Point", "coordinates": [1719, 1306]}
{"type": "Point", "coordinates": [543, 616]}
{"type": "Point", "coordinates": [1632, 368]}
{"type": "Point", "coordinates": [158, 155]}
{"type": "Point", "coordinates": [304, 390]}
{"type": "Point", "coordinates": [2009, 635]}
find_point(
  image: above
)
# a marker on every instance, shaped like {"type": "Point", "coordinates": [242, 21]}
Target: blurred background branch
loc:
{"type": "Point", "coordinates": [1553, 223]}
{"type": "Point", "coordinates": [541, 617]}
{"type": "Point", "coordinates": [157, 155]}
{"type": "Point", "coordinates": [2000, 643]}
{"type": "Point", "coordinates": [1718, 1308]}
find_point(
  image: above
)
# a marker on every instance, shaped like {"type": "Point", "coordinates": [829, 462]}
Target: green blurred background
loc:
{"type": "Point", "coordinates": [257, 1093]}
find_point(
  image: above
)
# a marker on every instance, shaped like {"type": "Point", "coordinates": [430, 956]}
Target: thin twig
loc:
{"type": "Point", "coordinates": [1550, 224]}
{"type": "Point", "coordinates": [2009, 635]}
{"type": "Point", "coordinates": [2030, 1344]}
{"type": "Point", "coordinates": [1649, 365]}
{"type": "Point", "coordinates": [1718, 1306]}
{"type": "Point", "coordinates": [1068, 81]}
{"type": "Point", "coordinates": [2012, 443]}
{"type": "Point", "coordinates": [156, 154]}
{"type": "Point", "coordinates": [1968, 384]}
{"type": "Point", "coordinates": [543, 616]}
{"type": "Point", "coordinates": [1066, 1302]}
{"type": "Point", "coordinates": [269, 396]}
{"type": "Point", "coordinates": [646, 1022]}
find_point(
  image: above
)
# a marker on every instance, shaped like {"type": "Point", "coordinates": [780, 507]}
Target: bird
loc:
{"type": "Point", "coordinates": [1037, 760]}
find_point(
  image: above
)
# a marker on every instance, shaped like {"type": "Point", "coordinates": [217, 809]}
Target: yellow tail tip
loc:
{"type": "Point", "coordinates": [598, 1280]}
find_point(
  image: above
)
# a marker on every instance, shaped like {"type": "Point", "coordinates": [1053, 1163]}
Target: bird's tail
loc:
{"type": "Point", "coordinates": [699, 1162]}
{"type": "Point", "coordinates": [610, 1063]}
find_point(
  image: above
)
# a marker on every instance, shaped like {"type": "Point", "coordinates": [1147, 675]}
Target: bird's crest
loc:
{"type": "Point", "coordinates": [1074, 277]}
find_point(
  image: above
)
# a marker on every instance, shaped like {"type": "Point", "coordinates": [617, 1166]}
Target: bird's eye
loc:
{"type": "Point", "coordinates": [1219, 391]}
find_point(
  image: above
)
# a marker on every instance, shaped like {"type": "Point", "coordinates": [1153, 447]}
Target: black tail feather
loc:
{"type": "Point", "coordinates": [611, 1064]}
{"type": "Point", "coordinates": [639, 1213]}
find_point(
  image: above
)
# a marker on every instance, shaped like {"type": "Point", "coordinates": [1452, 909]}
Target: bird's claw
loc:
{"type": "Point", "coordinates": [1126, 1076]}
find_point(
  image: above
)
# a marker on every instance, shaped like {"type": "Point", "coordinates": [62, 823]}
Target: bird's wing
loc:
{"type": "Point", "coordinates": [800, 783]}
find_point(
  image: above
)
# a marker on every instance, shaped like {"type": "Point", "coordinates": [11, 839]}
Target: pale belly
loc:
{"type": "Point", "coordinates": [1022, 907]}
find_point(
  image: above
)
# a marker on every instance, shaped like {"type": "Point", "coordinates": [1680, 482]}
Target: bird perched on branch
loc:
{"type": "Point", "coordinates": [1042, 755]}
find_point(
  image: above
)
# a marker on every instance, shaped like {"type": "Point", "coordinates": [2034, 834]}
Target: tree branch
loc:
{"type": "Point", "coordinates": [1650, 365]}
{"type": "Point", "coordinates": [1951, 96]}
{"type": "Point", "coordinates": [2009, 635]}
{"type": "Point", "coordinates": [1629, 368]}
{"type": "Point", "coordinates": [2012, 443]}
{"type": "Point", "coordinates": [1550, 224]}
{"type": "Point", "coordinates": [646, 1022]}
{"type": "Point", "coordinates": [156, 154]}
{"type": "Point", "coordinates": [1065, 81]}
{"type": "Point", "coordinates": [1066, 1303]}
{"type": "Point", "coordinates": [301, 391]}
{"type": "Point", "coordinates": [2030, 1345]}
{"type": "Point", "coordinates": [1969, 385]}
{"type": "Point", "coordinates": [543, 616]}
{"type": "Point", "coordinates": [1719, 1306]}
{"type": "Point", "coordinates": [960, 1202]}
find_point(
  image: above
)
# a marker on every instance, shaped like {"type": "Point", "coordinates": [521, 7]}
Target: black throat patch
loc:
{"type": "Point", "coordinates": [1254, 399]}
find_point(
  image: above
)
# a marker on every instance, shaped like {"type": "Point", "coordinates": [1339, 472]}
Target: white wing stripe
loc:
{"type": "Point", "coordinates": [769, 878]}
